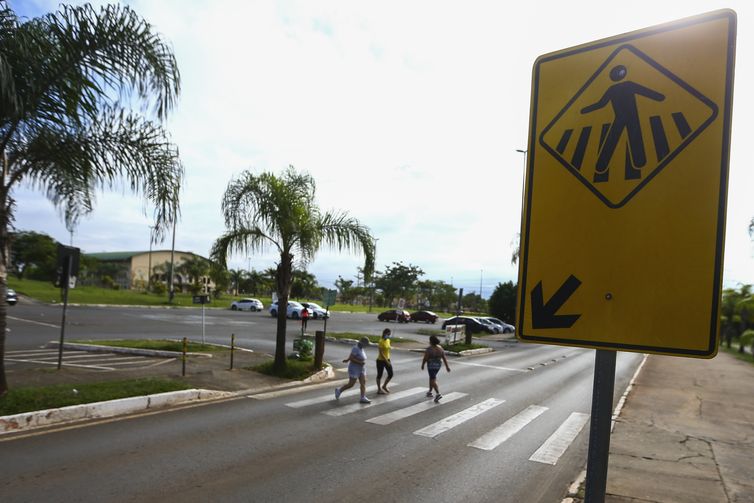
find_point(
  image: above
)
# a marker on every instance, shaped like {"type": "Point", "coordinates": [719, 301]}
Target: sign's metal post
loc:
{"type": "Point", "coordinates": [66, 279]}
{"type": "Point", "coordinates": [599, 429]}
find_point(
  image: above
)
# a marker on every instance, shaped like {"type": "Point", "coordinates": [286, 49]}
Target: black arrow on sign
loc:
{"type": "Point", "coordinates": [543, 315]}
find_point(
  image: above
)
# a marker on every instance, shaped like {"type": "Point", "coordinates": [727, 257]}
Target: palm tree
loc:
{"type": "Point", "coordinates": [67, 81]}
{"type": "Point", "coordinates": [279, 212]}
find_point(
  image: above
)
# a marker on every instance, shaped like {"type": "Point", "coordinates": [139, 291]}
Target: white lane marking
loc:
{"type": "Point", "coordinates": [39, 352]}
{"type": "Point", "coordinates": [342, 411]}
{"type": "Point", "coordinates": [452, 421]}
{"type": "Point", "coordinates": [558, 443]}
{"type": "Point", "coordinates": [496, 367]}
{"type": "Point", "coordinates": [65, 364]}
{"type": "Point", "coordinates": [509, 428]}
{"type": "Point", "coordinates": [32, 321]}
{"type": "Point", "coordinates": [324, 398]}
{"type": "Point", "coordinates": [394, 416]}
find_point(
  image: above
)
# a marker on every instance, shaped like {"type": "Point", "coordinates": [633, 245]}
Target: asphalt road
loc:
{"type": "Point", "coordinates": [534, 400]}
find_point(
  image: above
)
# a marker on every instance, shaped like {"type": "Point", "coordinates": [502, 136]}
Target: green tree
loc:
{"type": "Point", "coordinates": [221, 277]}
{"type": "Point", "coordinates": [235, 279]}
{"type": "Point", "coordinates": [279, 211]}
{"type": "Point", "coordinates": [503, 302]}
{"type": "Point", "coordinates": [304, 285]}
{"type": "Point", "coordinates": [438, 294]}
{"type": "Point", "coordinates": [33, 255]}
{"type": "Point", "coordinates": [194, 268]}
{"type": "Point", "coordinates": [67, 82]}
{"type": "Point", "coordinates": [398, 281]}
{"type": "Point", "coordinates": [345, 289]}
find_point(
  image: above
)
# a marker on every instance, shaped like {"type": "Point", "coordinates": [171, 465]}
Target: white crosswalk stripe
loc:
{"type": "Point", "coordinates": [324, 398]}
{"type": "Point", "coordinates": [399, 414]}
{"type": "Point", "coordinates": [452, 421]}
{"type": "Point", "coordinates": [558, 443]}
{"type": "Point", "coordinates": [509, 428]}
{"type": "Point", "coordinates": [348, 409]}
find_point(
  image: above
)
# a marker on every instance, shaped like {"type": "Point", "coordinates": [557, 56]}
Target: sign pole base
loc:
{"type": "Point", "coordinates": [599, 428]}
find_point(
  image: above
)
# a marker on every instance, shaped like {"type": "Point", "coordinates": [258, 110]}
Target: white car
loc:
{"type": "Point", "coordinates": [316, 310]}
{"type": "Point", "coordinates": [505, 328]}
{"type": "Point", "coordinates": [293, 312]}
{"type": "Point", "coordinates": [247, 305]}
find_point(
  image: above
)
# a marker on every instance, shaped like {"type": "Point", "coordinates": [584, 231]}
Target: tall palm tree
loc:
{"type": "Point", "coordinates": [67, 81]}
{"type": "Point", "coordinates": [279, 212]}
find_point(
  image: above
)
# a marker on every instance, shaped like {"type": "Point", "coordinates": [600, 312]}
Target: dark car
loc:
{"type": "Point", "coordinates": [10, 297]}
{"type": "Point", "coordinates": [425, 316]}
{"type": "Point", "coordinates": [473, 325]}
{"type": "Point", "coordinates": [398, 315]}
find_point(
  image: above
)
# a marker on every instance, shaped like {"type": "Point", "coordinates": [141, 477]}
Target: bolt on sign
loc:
{"type": "Point", "coordinates": [623, 223]}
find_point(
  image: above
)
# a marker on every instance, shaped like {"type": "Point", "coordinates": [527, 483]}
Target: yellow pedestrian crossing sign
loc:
{"type": "Point", "coordinates": [624, 207]}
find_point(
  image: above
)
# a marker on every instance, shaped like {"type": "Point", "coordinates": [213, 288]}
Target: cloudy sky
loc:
{"type": "Point", "coordinates": [408, 114]}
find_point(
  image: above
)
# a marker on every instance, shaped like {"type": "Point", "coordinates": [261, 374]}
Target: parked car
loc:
{"type": "Point", "coordinates": [425, 316]}
{"type": "Point", "coordinates": [316, 310]}
{"type": "Point", "coordinates": [398, 315]}
{"type": "Point", "coordinates": [293, 311]}
{"type": "Point", "coordinates": [505, 328]}
{"type": "Point", "coordinates": [496, 329]}
{"type": "Point", "coordinates": [473, 325]}
{"type": "Point", "coordinates": [10, 297]}
{"type": "Point", "coordinates": [247, 305]}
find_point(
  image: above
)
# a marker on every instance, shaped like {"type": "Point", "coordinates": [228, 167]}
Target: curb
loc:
{"type": "Point", "coordinates": [100, 410]}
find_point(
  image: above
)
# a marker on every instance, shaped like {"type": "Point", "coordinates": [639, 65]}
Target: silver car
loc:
{"type": "Point", "coordinates": [505, 328]}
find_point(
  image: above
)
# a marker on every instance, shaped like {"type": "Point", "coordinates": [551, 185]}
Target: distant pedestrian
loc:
{"type": "Point", "coordinates": [434, 357]}
{"type": "Point", "coordinates": [304, 319]}
{"type": "Point", "coordinates": [356, 370]}
{"type": "Point", "coordinates": [383, 362]}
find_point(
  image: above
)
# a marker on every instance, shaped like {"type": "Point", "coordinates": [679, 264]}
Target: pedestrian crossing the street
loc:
{"type": "Point", "coordinates": [82, 359]}
{"type": "Point", "coordinates": [549, 452]}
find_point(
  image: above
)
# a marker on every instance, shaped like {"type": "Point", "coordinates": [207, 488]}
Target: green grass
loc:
{"type": "Point", "coordinates": [294, 369]}
{"type": "Point", "coordinates": [373, 339]}
{"type": "Point", "coordinates": [157, 345]}
{"type": "Point", "coordinates": [30, 399]}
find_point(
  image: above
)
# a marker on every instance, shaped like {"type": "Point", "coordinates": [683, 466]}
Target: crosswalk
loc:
{"type": "Point", "coordinates": [83, 359]}
{"type": "Point", "coordinates": [549, 452]}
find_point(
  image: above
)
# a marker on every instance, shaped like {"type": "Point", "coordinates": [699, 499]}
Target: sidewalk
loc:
{"type": "Point", "coordinates": [686, 434]}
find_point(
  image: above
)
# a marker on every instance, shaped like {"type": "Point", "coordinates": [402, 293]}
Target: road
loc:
{"type": "Point", "coordinates": [534, 400]}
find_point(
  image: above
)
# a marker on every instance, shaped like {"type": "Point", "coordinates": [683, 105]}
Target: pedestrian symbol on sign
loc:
{"type": "Point", "coordinates": [653, 116]}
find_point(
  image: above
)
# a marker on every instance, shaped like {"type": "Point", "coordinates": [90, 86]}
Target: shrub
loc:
{"type": "Point", "coordinates": [747, 339]}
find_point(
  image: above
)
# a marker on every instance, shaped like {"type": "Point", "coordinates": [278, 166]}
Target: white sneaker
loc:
{"type": "Point", "coordinates": [337, 393]}
{"type": "Point", "coordinates": [365, 400]}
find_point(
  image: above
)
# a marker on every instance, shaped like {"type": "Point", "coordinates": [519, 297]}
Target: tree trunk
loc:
{"type": "Point", "coordinates": [4, 248]}
{"type": "Point", "coordinates": [284, 275]}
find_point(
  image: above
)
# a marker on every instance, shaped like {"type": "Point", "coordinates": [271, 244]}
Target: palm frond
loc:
{"type": "Point", "coordinates": [342, 232]}
{"type": "Point", "coordinates": [244, 241]}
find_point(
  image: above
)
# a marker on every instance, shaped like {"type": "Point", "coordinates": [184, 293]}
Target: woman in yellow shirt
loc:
{"type": "Point", "coordinates": [383, 362]}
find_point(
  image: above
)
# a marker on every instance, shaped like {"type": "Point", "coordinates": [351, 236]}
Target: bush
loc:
{"type": "Point", "coordinates": [747, 339]}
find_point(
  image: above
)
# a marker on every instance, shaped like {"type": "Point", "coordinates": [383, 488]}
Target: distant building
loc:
{"type": "Point", "coordinates": [131, 269]}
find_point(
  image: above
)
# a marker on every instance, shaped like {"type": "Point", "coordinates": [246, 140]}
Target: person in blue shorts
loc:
{"type": "Point", "coordinates": [356, 370]}
{"type": "Point", "coordinates": [434, 357]}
